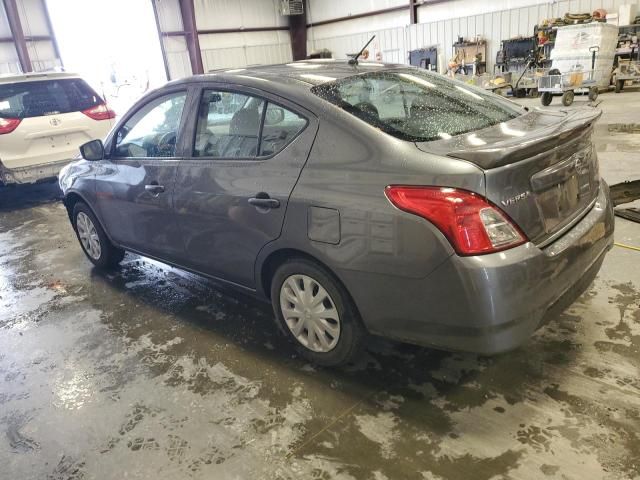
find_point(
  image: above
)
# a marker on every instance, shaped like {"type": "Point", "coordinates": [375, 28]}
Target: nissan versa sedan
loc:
{"type": "Point", "coordinates": [359, 199]}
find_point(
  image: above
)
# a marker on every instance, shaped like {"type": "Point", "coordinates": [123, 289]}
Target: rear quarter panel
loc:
{"type": "Point", "coordinates": [349, 166]}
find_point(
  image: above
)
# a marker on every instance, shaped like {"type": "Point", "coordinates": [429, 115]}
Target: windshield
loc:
{"type": "Point", "coordinates": [417, 106]}
{"type": "Point", "coordinates": [46, 97]}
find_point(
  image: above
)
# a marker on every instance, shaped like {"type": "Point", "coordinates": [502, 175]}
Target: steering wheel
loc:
{"type": "Point", "coordinates": [166, 144]}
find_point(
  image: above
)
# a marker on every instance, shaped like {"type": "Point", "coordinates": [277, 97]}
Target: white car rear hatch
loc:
{"type": "Point", "coordinates": [45, 117]}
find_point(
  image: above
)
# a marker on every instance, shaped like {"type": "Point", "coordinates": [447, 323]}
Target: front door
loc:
{"type": "Point", "coordinates": [232, 191]}
{"type": "Point", "coordinates": [134, 189]}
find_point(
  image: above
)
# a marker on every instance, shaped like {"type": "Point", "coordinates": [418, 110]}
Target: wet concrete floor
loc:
{"type": "Point", "coordinates": [151, 372]}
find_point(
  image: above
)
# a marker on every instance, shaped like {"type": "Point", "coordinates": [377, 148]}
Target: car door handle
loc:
{"type": "Point", "coordinates": [262, 200]}
{"type": "Point", "coordinates": [154, 189]}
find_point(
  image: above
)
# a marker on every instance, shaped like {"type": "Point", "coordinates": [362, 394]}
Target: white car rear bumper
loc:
{"type": "Point", "coordinates": [32, 173]}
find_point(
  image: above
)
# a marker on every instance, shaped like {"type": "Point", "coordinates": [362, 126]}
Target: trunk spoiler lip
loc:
{"type": "Point", "coordinates": [571, 123]}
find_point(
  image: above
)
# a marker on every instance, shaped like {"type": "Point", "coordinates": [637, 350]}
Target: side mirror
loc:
{"type": "Point", "coordinates": [92, 151]}
{"type": "Point", "coordinates": [274, 116]}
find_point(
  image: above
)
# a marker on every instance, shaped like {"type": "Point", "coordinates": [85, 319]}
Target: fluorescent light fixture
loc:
{"type": "Point", "coordinates": [469, 92]}
{"type": "Point", "coordinates": [416, 79]}
{"type": "Point", "coordinates": [318, 78]}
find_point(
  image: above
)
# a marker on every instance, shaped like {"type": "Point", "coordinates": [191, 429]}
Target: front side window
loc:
{"type": "Point", "coordinates": [417, 106]}
{"type": "Point", "coordinates": [228, 125]}
{"type": "Point", "coordinates": [153, 130]}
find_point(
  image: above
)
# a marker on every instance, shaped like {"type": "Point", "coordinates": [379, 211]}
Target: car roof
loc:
{"type": "Point", "coordinates": [302, 74]}
{"type": "Point", "coordinates": [35, 76]}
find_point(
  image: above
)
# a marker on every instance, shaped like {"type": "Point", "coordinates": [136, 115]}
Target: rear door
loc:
{"type": "Point", "coordinates": [245, 154]}
{"type": "Point", "coordinates": [134, 188]}
{"type": "Point", "coordinates": [55, 117]}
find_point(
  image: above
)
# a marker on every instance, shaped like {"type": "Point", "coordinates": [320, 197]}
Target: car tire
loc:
{"type": "Point", "coordinates": [546, 98]}
{"type": "Point", "coordinates": [619, 85]}
{"type": "Point", "coordinates": [341, 329]}
{"type": "Point", "coordinates": [94, 242]}
{"type": "Point", "coordinates": [593, 94]}
{"type": "Point", "coordinates": [567, 98]}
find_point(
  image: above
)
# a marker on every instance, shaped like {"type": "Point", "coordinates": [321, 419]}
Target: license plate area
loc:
{"type": "Point", "coordinates": [566, 188]}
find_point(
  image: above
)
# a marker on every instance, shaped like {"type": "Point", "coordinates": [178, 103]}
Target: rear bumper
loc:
{"type": "Point", "coordinates": [32, 173]}
{"type": "Point", "coordinates": [491, 303]}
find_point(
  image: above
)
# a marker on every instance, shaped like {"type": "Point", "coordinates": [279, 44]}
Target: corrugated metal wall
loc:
{"type": "Point", "coordinates": [34, 24]}
{"type": "Point", "coordinates": [225, 50]}
{"type": "Point", "coordinates": [395, 43]}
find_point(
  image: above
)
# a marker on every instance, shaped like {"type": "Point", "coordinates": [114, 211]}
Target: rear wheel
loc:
{"type": "Point", "coordinates": [315, 312]}
{"type": "Point", "coordinates": [95, 244]}
{"type": "Point", "coordinates": [567, 98]}
{"type": "Point", "coordinates": [546, 98]}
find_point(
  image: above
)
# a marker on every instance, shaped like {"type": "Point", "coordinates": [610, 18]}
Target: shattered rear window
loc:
{"type": "Point", "coordinates": [417, 106]}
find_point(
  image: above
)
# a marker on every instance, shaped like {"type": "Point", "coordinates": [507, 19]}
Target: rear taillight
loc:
{"type": "Point", "coordinates": [472, 225]}
{"type": "Point", "coordinates": [8, 125]}
{"type": "Point", "coordinates": [100, 112]}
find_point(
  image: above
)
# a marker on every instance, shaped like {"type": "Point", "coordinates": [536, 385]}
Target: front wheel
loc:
{"type": "Point", "coordinates": [95, 244]}
{"type": "Point", "coordinates": [593, 93]}
{"type": "Point", "coordinates": [619, 85]}
{"type": "Point", "coordinates": [546, 98]}
{"type": "Point", "coordinates": [315, 312]}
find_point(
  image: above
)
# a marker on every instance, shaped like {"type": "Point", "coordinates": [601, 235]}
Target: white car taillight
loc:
{"type": "Point", "coordinates": [8, 125]}
{"type": "Point", "coordinates": [100, 112]}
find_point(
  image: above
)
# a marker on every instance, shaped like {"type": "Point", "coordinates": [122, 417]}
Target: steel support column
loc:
{"type": "Point", "coordinates": [413, 12]}
{"type": "Point", "coordinates": [187, 10]}
{"type": "Point", "coordinates": [52, 34]}
{"type": "Point", "coordinates": [13, 18]}
{"type": "Point", "coordinates": [298, 34]}
{"type": "Point", "coordinates": [163, 50]}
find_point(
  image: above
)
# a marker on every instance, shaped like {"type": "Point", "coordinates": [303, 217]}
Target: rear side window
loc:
{"type": "Point", "coordinates": [236, 125]}
{"type": "Point", "coordinates": [417, 106]}
{"type": "Point", "coordinates": [46, 97]}
{"type": "Point", "coordinates": [228, 125]}
{"type": "Point", "coordinates": [280, 128]}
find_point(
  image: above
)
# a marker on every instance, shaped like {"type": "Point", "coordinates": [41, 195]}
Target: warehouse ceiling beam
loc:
{"type": "Point", "coordinates": [187, 10]}
{"type": "Point", "coordinates": [13, 18]}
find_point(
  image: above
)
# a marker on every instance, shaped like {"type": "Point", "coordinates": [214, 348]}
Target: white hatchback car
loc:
{"type": "Point", "coordinates": [44, 118]}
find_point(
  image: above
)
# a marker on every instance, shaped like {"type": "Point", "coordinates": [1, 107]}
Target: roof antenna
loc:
{"type": "Point", "coordinates": [354, 58]}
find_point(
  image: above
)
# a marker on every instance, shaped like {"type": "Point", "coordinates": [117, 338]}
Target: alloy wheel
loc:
{"type": "Point", "coordinates": [88, 236]}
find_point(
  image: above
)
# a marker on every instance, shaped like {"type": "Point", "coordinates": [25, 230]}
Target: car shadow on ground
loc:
{"type": "Point", "coordinates": [16, 197]}
{"type": "Point", "coordinates": [245, 326]}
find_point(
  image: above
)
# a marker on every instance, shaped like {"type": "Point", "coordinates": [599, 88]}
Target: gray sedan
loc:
{"type": "Point", "coordinates": [357, 199]}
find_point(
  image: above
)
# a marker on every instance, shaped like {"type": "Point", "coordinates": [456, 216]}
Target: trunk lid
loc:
{"type": "Point", "coordinates": [540, 168]}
